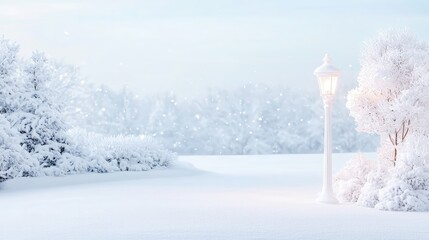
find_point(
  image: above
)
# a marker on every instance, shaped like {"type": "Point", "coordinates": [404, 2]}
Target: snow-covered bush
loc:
{"type": "Point", "coordinates": [376, 180]}
{"type": "Point", "coordinates": [407, 188]}
{"type": "Point", "coordinates": [351, 179]}
{"type": "Point", "coordinates": [121, 153]}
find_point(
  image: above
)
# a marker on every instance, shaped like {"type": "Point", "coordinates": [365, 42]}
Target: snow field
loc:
{"type": "Point", "coordinates": [199, 197]}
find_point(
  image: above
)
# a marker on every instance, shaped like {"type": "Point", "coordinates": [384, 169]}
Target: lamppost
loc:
{"type": "Point", "coordinates": [327, 76]}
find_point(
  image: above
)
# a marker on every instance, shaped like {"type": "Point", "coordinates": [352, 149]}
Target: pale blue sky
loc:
{"type": "Point", "coordinates": [187, 46]}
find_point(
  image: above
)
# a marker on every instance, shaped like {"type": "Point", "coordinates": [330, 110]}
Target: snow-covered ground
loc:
{"type": "Point", "coordinates": [200, 197]}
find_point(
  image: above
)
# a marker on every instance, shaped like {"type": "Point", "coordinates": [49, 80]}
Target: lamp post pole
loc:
{"type": "Point", "coordinates": [327, 195]}
{"type": "Point", "coordinates": [327, 76]}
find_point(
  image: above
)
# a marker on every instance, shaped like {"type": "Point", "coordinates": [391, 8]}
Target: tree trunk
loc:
{"type": "Point", "coordinates": [395, 142]}
{"type": "Point", "coordinates": [394, 157]}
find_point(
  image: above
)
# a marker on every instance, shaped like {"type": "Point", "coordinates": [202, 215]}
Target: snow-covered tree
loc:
{"type": "Point", "coordinates": [38, 118]}
{"type": "Point", "coordinates": [129, 113]}
{"type": "Point", "coordinates": [392, 64]}
{"type": "Point", "coordinates": [391, 101]}
{"type": "Point", "coordinates": [100, 109]}
{"type": "Point", "coordinates": [163, 122]}
{"type": "Point", "coordinates": [69, 91]}
{"type": "Point", "coordinates": [9, 76]}
{"type": "Point", "coordinates": [14, 160]}
{"type": "Point", "coordinates": [346, 138]}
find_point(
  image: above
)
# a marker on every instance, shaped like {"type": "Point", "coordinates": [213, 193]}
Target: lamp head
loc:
{"type": "Point", "coordinates": [327, 76]}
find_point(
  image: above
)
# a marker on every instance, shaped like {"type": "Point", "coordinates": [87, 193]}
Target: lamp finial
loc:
{"type": "Point", "coordinates": [327, 59]}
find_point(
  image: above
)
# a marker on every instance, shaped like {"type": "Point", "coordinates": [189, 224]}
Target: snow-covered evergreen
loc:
{"type": "Point", "coordinates": [9, 76]}
{"type": "Point", "coordinates": [14, 160]}
{"type": "Point", "coordinates": [38, 117]}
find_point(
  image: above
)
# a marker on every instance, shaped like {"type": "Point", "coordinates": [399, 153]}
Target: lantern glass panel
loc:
{"type": "Point", "coordinates": [328, 85]}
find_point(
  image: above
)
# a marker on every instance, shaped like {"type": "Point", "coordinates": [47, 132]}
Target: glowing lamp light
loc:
{"type": "Point", "coordinates": [327, 76]}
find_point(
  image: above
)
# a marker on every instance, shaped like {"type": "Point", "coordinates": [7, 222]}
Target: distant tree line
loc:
{"type": "Point", "coordinates": [253, 119]}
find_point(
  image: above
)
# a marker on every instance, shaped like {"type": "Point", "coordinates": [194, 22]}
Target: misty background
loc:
{"type": "Point", "coordinates": [187, 46]}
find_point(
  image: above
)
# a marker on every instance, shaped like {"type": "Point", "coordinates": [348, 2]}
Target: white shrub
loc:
{"type": "Point", "coordinates": [407, 188]}
{"type": "Point", "coordinates": [369, 196]}
{"type": "Point", "coordinates": [121, 153]}
{"type": "Point", "coordinates": [350, 180]}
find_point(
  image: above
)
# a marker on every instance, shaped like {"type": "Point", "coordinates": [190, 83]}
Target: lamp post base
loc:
{"type": "Point", "coordinates": [327, 198]}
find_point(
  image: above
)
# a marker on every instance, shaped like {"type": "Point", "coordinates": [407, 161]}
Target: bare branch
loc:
{"type": "Point", "coordinates": [391, 140]}
{"type": "Point", "coordinates": [405, 135]}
